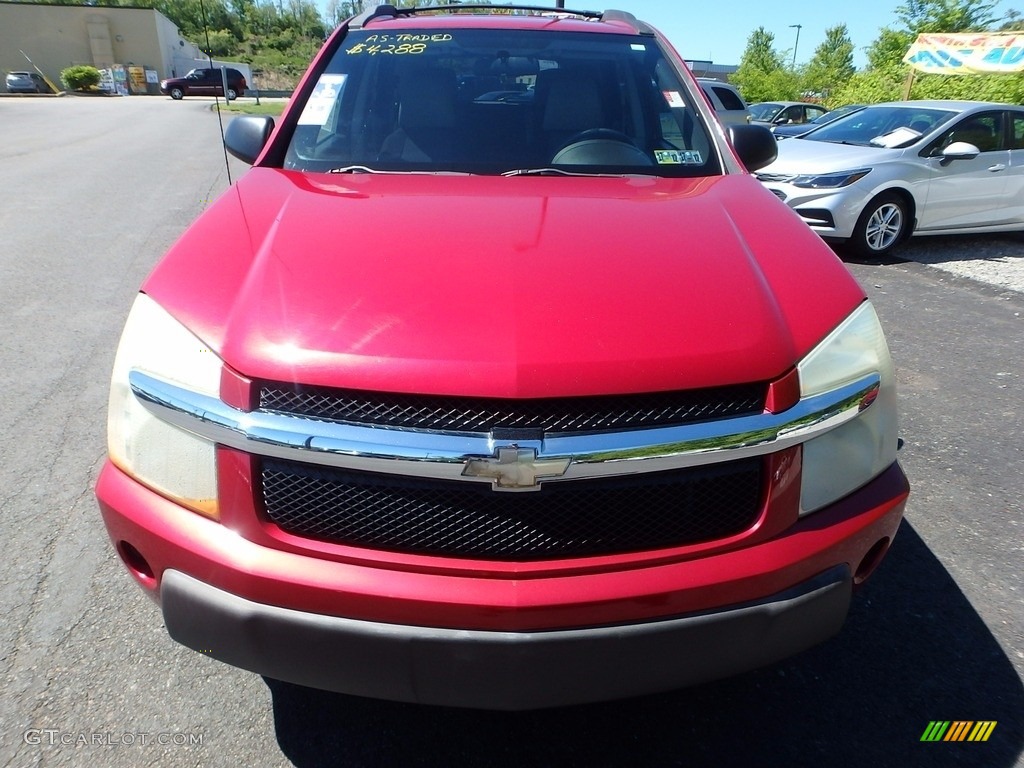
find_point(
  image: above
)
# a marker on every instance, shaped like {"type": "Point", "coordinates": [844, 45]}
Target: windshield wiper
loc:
{"type": "Point", "coordinates": [561, 172]}
{"type": "Point", "coordinates": [367, 169]}
{"type": "Point", "coordinates": [539, 172]}
{"type": "Point", "coordinates": [355, 169]}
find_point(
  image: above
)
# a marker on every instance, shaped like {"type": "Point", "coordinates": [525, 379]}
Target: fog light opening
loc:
{"type": "Point", "coordinates": [137, 564]}
{"type": "Point", "coordinates": [871, 560]}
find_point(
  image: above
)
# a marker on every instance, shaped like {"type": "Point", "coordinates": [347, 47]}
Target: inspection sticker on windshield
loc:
{"type": "Point", "coordinates": [674, 98]}
{"type": "Point", "coordinates": [678, 157]}
{"type": "Point", "coordinates": [322, 99]}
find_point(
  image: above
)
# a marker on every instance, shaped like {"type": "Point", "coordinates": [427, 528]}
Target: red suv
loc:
{"type": "Point", "coordinates": [205, 82]}
{"type": "Point", "coordinates": [499, 382]}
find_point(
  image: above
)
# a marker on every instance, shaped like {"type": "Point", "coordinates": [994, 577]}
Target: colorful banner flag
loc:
{"type": "Point", "coordinates": [970, 53]}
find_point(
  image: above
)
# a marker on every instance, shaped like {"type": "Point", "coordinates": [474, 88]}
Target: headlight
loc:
{"type": "Point", "coordinates": [172, 462]}
{"type": "Point", "coordinates": [829, 180]}
{"type": "Point", "coordinates": [844, 459]}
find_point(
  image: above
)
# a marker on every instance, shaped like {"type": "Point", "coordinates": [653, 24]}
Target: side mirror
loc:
{"type": "Point", "coordinates": [246, 135]}
{"type": "Point", "coordinates": [959, 150]}
{"type": "Point", "coordinates": [755, 145]}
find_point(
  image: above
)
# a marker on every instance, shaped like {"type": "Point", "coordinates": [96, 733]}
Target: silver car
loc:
{"type": "Point", "coordinates": [785, 112]}
{"type": "Point", "coordinates": [877, 176]}
{"type": "Point", "coordinates": [25, 82]}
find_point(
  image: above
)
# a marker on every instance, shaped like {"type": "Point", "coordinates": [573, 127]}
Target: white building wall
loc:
{"type": "Point", "coordinates": [58, 36]}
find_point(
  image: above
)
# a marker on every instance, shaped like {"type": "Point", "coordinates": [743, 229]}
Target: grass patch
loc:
{"type": "Point", "coordinates": [272, 108]}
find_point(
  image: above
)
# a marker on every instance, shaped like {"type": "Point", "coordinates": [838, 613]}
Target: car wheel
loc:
{"type": "Point", "coordinates": [177, 94]}
{"type": "Point", "coordinates": [232, 94]}
{"type": "Point", "coordinates": [883, 224]}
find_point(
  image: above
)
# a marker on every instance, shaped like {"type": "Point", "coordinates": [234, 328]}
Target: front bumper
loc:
{"type": "Point", "coordinates": [520, 639]}
{"type": "Point", "coordinates": [832, 213]}
{"type": "Point", "coordinates": [502, 670]}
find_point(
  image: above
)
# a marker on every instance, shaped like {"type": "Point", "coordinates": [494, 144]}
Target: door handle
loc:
{"type": "Point", "coordinates": [997, 167]}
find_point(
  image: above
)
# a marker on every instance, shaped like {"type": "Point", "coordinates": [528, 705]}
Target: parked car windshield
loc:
{"type": "Point", "coordinates": [491, 101]}
{"type": "Point", "coordinates": [882, 126]}
{"type": "Point", "coordinates": [835, 114]}
{"type": "Point", "coordinates": [764, 111]}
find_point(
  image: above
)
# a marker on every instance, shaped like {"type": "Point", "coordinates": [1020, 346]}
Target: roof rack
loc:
{"type": "Point", "coordinates": [367, 16]}
{"type": "Point", "coordinates": [391, 12]}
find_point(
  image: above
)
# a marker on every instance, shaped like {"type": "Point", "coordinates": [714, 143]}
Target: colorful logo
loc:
{"type": "Point", "coordinates": [958, 730]}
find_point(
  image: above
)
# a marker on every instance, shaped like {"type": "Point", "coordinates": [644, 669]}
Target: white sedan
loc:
{"type": "Point", "coordinates": [889, 171]}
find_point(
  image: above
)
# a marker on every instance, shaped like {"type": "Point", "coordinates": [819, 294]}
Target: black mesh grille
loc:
{"type": "Point", "coordinates": [568, 519]}
{"type": "Point", "coordinates": [548, 415]}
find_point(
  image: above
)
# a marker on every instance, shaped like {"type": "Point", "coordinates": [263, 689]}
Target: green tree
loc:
{"type": "Point", "coordinates": [303, 15]}
{"type": "Point", "coordinates": [1003, 88]}
{"type": "Point", "coordinates": [927, 16]}
{"type": "Point", "coordinates": [243, 10]}
{"type": "Point", "coordinates": [869, 87]}
{"type": "Point", "coordinates": [339, 10]}
{"type": "Point", "coordinates": [1013, 22]}
{"type": "Point", "coordinates": [889, 48]}
{"type": "Point", "coordinates": [760, 53]}
{"type": "Point", "coordinates": [832, 63]}
{"type": "Point", "coordinates": [762, 73]}
{"type": "Point", "coordinates": [222, 43]}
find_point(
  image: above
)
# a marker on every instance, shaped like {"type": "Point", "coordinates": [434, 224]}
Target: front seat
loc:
{"type": "Point", "coordinates": [570, 103]}
{"type": "Point", "coordinates": [427, 121]}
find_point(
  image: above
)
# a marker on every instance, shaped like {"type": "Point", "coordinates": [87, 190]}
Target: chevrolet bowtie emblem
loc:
{"type": "Point", "coordinates": [516, 469]}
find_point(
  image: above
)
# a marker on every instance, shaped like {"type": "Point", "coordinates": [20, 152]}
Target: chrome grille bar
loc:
{"type": "Point", "coordinates": [444, 455]}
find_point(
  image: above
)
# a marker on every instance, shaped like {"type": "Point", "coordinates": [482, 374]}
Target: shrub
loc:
{"type": "Point", "coordinates": [80, 78]}
{"type": "Point", "coordinates": [887, 84]}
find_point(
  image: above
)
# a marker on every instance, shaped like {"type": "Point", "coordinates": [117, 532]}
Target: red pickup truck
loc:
{"type": "Point", "coordinates": [499, 382]}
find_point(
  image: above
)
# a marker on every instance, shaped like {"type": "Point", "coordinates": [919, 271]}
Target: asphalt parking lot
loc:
{"type": "Point", "coordinates": [98, 188]}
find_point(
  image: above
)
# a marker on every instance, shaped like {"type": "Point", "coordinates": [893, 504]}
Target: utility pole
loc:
{"type": "Point", "coordinates": [797, 44]}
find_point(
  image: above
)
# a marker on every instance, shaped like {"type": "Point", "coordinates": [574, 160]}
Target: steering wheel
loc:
{"type": "Point", "coordinates": [600, 146]}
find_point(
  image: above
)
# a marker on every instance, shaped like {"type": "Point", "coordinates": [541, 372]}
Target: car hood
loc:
{"type": "Point", "coordinates": [809, 156]}
{"type": "Point", "coordinates": [503, 287]}
{"type": "Point", "coordinates": [796, 129]}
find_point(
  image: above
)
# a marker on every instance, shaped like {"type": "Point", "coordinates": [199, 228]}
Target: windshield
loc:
{"type": "Point", "coordinates": [882, 126]}
{"type": "Point", "coordinates": [835, 114]}
{"type": "Point", "coordinates": [764, 112]}
{"type": "Point", "coordinates": [489, 101]}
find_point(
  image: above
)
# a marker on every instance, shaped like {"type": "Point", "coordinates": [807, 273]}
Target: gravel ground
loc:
{"type": "Point", "coordinates": [997, 260]}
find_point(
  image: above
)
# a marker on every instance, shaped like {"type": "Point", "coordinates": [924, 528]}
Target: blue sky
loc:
{"type": "Point", "coordinates": [719, 30]}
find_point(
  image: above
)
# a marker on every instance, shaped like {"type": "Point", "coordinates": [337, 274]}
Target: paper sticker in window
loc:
{"type": "Point", "coordinates": [322, 100]}
{"type": "Point", "coordinates": [674, 99]}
